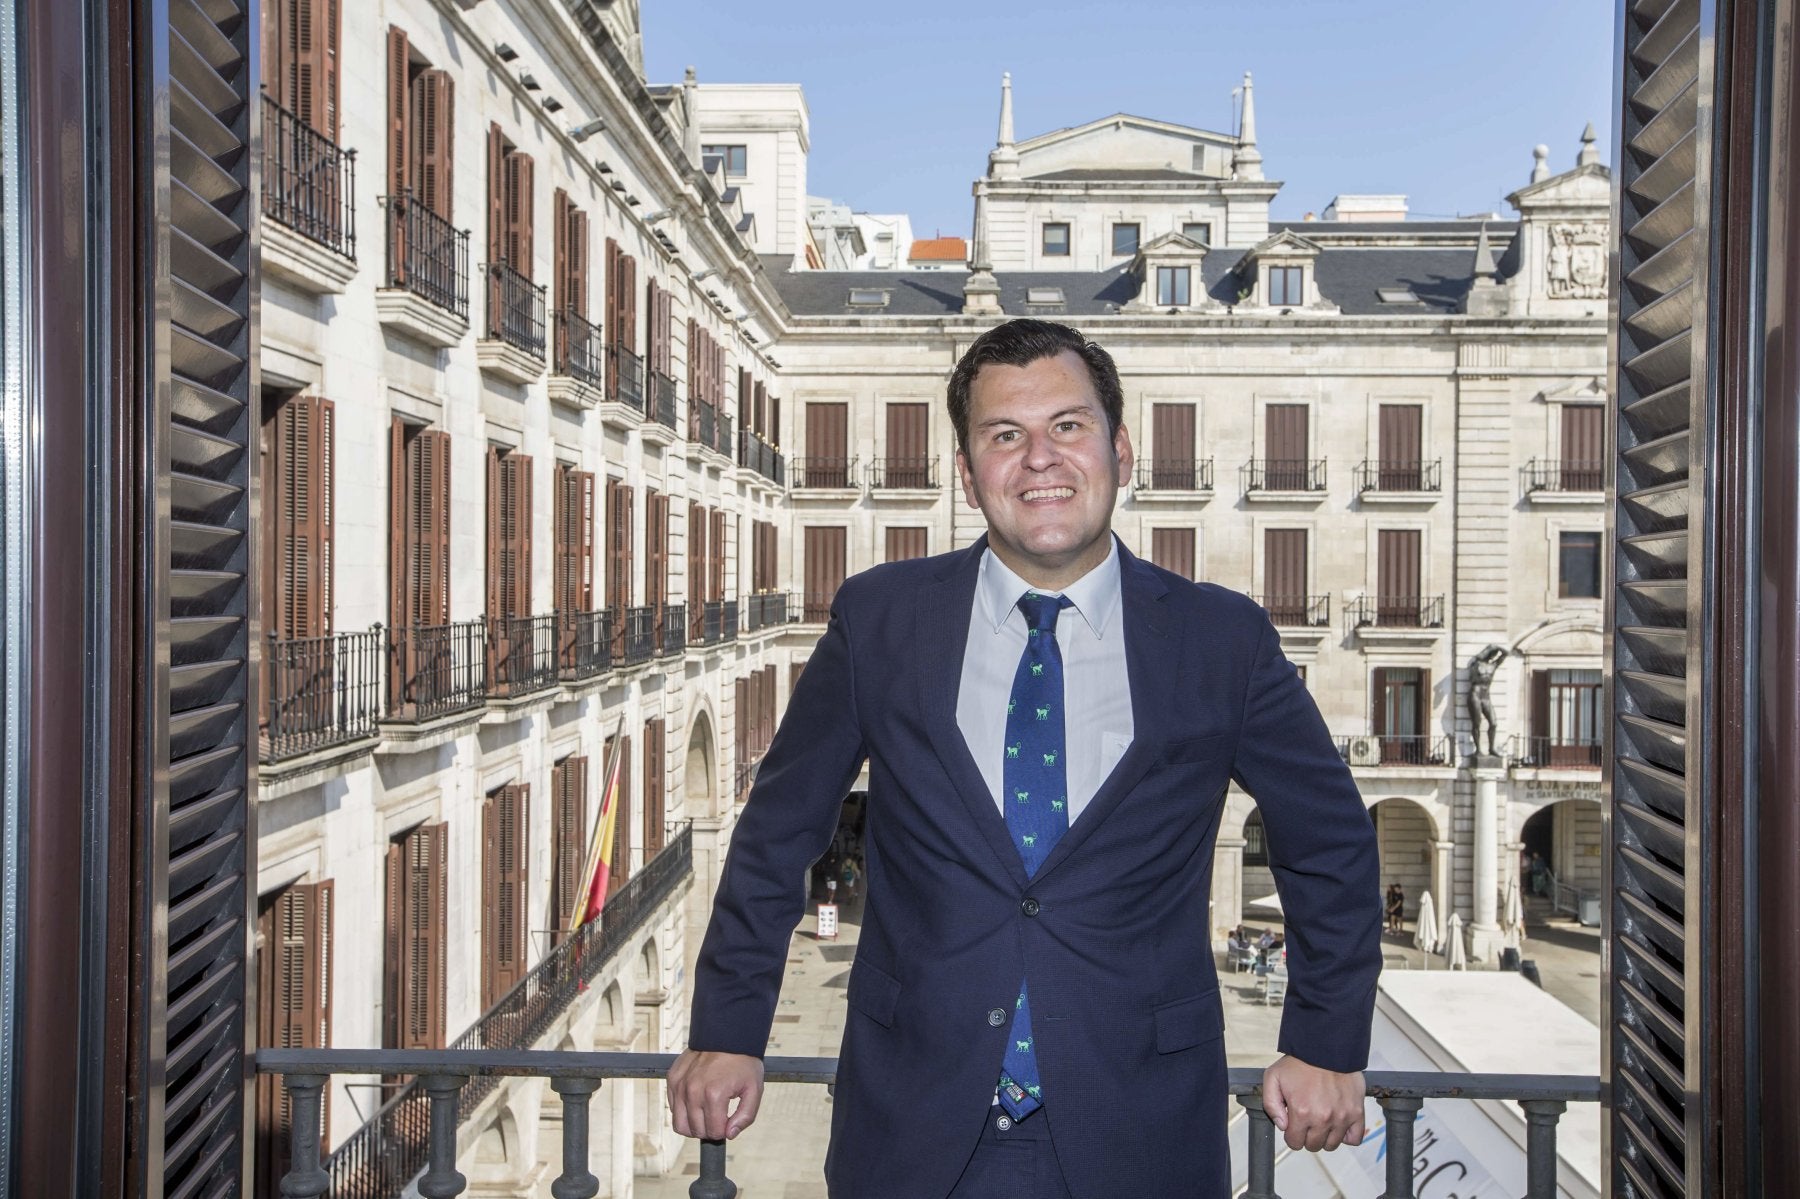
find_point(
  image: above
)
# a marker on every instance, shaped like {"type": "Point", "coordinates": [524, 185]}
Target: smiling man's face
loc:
{"type": "Point", "coordinates": [1042, 468]}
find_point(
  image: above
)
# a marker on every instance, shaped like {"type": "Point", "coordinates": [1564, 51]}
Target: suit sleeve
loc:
{"type": "Point", "coordinates": [786, 824]}
{"type": "Point", "coordinates": [1322, 850]}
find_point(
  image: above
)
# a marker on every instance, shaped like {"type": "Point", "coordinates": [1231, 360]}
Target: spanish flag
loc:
{"type": "Point", "coordinates": [597, 870]}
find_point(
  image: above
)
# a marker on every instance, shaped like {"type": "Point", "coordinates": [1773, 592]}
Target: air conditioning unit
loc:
{"type": "Point", "coordinates": [1364, 751]}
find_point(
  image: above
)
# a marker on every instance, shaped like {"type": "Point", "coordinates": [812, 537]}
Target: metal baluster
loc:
{"type": "Point", "coordinates": [712, 1183]}
{"type": "Point", "coordinates": [1540, 1146]}
{"type": "Point", "coordinates": [576, 1180]}
{"type": "Point", "coordinates": [1262, 1148]}
{"type": "Point", "coordinates": [304, 1179]}
{"type": "Point", "coordinates": [441, 1179]}
{"type": "Point", "coordinates": [1399, 1111]}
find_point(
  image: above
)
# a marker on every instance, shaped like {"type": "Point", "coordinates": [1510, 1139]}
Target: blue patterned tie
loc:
{"type": "Point", "coordinates": [1036, 789]}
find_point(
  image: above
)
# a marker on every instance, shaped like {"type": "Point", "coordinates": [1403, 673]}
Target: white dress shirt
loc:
{"type": "Point", "coordinates": [1097, 724]}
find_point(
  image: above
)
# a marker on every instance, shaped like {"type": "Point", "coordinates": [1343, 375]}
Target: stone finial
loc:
{"type": "Point", "coordinates": [981, 291]}
{"type": "Point", "coordinates": [1540, 163]}
{"type": "Point", "coordinates": [1246, 162]}
{"type": "Point", "coordinates": [1486, 296]}
{"type": "Point", "coordinates": [1485, 266]}
{"type": "Point", "coordinates": [690, 134]}
{"type": "Point", "coordinates": [1590, 153]}
{"type": "Point", "coordinates": [1003, 161]}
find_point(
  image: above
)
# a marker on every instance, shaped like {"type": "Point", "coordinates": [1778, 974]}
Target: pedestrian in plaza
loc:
{"type": "Point", "coordinates": [1050, 724]}
{"type": "Point", "coordinates": [1396, 907]}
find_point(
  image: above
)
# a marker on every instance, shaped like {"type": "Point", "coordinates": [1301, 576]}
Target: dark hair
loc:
{"type": "Point", "coordinates": [1021, 342]}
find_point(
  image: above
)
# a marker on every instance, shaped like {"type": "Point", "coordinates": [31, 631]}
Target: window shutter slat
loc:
{"type": "Point", "coordinates": [495, 536]}
{"type": "Point", "coordinates": [398, 112]}
{"type": "Point", "coordinates": [496, 194]}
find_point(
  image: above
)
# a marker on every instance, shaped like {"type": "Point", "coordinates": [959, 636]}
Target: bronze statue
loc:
{"type": "Point", "coordinates": [1481, 705]}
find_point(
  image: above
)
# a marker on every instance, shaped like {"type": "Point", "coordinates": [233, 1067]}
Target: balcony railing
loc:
{"type": "Point", "coordinates": [825, 471]}
{"type": "Point", "coordinates": [584, 645]}
{"type": "Point", "coordinates": [765, 610]}
{"type": "Point", "coordinates": [625, 382]}
{"type": "Point", "coordinates": [707, 623]}
{"type": "Point", "coordinates": [724, 441]}
{"type": "Point", "coordinates": [662, 399]}
{"type": "Point", "coordinates": [1377, 474]}
{"type": "Point", "coordinates": [1284, 474]}
{"type": "Point", "coordinates": [1399, 611]}
{"type": "Point", "coordinates": [1380, 749]}
{"type": "Point", "coordinates": [309, 182]}
{"type": "Point", "coordinates": [410, 1133]}
{"type": "Point", "coordinates": [579, 352]}
{"type": "Point", "coordinates": [320, 692]}
{"type": "Point", "coordinates": [671, 630]}
{"type": "Point", "coordinates": [904, 474]}
{"type": "Point", "coordinates": [1555, 753]}
{"type": "Point", "coordinates": [758, 455]}
{"type": "Point", "coordinates": [1297, 611]}
{"type": "Point", "coordinates": [817, 609]}
{"type": "Point", "coordinates": [515, 309]}
{"type": "Point", "coordinates": [1175, 474]}
{"type": "Point", "coordinates": [427, 255]}
{"type": "Point", "coordinates": [637, 641]}
{"type": "Point", "coordinates": [1565, 474]}
{"type": "Point", "coordinates": [703, 423]}
{"type": "Point", "coordinates": [522, 655]}
{"type": "Point", "coordinates": [436, 670]}
{"type": "Point", "coordinates": [454, 1081]}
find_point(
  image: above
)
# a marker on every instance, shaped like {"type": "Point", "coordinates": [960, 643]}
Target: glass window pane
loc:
{"type": "Point", "coordinates": [1125, 239]}
{"type": "Point", "coordinates": [1200, 231]}
{"type": "Point", "coordinates": [1578, 565]}
{"type": "Point", "coordinates": [1056, 239]}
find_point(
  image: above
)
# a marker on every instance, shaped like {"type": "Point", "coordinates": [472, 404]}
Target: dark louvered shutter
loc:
{"type": "Point", "coordinates": [1172, 447]}
{"type": "Point", "coordinates": [518, 533]}
{"type": "Point", "coordinates": [1583, 447]}
{"type": "Point", "coordinates": [505, 822]}
{"type": "Point", "coordinates": [433, 140]}
{"type": "Point", "coordinates": [1401, 435]}
{"type": "Point", "coordinates": [1397, 576]}
{"type": "Point", "coordinates": [1540, 707]}
{"type": "Point", "coordinates": [294, 1002]}
{"type": "Point", "coordinates": [827, 445]}
{"type": "Point", "coordinates": [568, 836]}
{"type": "Point", "coordinates": [496, 194]}
{"type": "Point", "coordinates": [1286, 435]}
{"type": "Point", "coordinates": [417, 925]}
{"type": "Point", "coordinates": [574, 539]}
{"type": "Point", "coordinates": [620, 868]}
{"type": "Point", "coordinates": [494, 537]}
{"type": "Point", "coordinates": [1173, 550]}
{"type": "Point", "coordinates": [905, 541]}
{"type": "Point", "coordinates": [825, 553]}
{"type": "Point", "coordinates": [1378, 684]}
{"type": "Point", "coordinates": [697, 562]}
{"type": "Point", "coordinates": [1284, 575]}
{"type": "Point", "coordinates": [716, 565]}
{"type": "Point", "coordinates": [745, 390]}
{"type": "Point", "coordinates": [518, 242]}
{"type": "Point", "coordinates": [578, 262]}
{"type": "Point", "coordinates": [610, 319]}
{"type": "Point", "coordinates": [559, 251]}
{"type": "Point", "coordinates": [628, 303]}
{"type": "Point", "coordinates": [297, 502]}
{"type": "Point", "coordinates": [656, 769]}
{"type": "Point", "coordinates": [399, 114]}
{"type": "Point", "coordinates": [656, 577]}
{"type": "Point", "coordinates": [909, 449]}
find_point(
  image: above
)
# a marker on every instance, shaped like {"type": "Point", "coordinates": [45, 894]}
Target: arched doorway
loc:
{"type": "Point", "coordinates": [1560, 859]}
{"type": "Point", "coordinates": [1258, 881]}
{"type": "Point", "coordinates": [1407, 838]}
{"type": "Point", "coordinates": [700, 780]}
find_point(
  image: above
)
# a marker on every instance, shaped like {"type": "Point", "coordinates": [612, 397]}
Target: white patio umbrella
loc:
{"type": "Point", "coordinates": [1455, 957]}
{"type": "Point", "coordinates": [1425, 934]}
{"type": "Point", "coordinates": [1269, 903]}
{"type": "Point", "coordinates": [1512, 916]}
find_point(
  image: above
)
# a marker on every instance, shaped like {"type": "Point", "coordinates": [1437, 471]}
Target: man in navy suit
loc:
{"type": "Point", "coordinates": [1033, 1010]}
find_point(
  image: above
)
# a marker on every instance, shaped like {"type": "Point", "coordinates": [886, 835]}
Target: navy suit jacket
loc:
{"type": "Point", "coordinates": [1112, 933]}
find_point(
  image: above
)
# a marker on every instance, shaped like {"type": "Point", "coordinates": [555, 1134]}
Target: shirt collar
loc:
{"type": "Point", "coordinates": [1095, 594]}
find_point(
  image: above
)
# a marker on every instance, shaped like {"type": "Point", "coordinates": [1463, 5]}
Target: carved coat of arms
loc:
{"type": "Point", "coordinates": [1575, 266]}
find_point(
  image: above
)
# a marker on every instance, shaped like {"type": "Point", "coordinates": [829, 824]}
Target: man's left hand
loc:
{"type": "Point", "coordinates": [1316, 1109]}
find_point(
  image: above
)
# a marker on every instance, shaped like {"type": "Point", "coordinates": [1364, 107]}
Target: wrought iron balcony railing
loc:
{"type": "Point", "coordinates": [1555, 753]}
{"type": "Point", "coordinates": [724, 442]}
{"type": "Point", "coordinates": [743, 776]}
{"type": "Point", "coordinates": [451, 1082]}
{"type": "Point", "coordinates": [309, 182]}
{"type": "Point", "coordinates": [1284, 474]}
{"type": "Point", "coordinates": [1175, 474]}
{"type": "Point", "coordinates": [1297, 611]}
{"type": "Point", "coordinates": [522, 655]}
{"type": "Point", "coordinates": [426, 254]}
{"type": "Point", "coordinates": [1399, 611]}
{"type": "Point", "coordinates": [637, 636]}
{"type": "Point", "coordinates": [1377, 474]}
{"type": "Point", "coordinates": [758, 455]}
{"type": "Point", "coordinates": [436, 670]}
{"type": "Point", "coordinates": [904, 474]}
{"type": "Point", "coordinates": [579, 351]}
{"type": "Point", "coordinates": [515, 309]}
{"type": "Point", "coordinates": [319, 692]}
{"type": "Point", "coordinates": [410, 1133]}
{"type": "Point", "coordinates": [707, 623]}
{"type": "Point", "coordinates": [625, 377]}
{"type": "Point", "coordinates": [671, 630]}
{"type": "Point", "coordinates": [825, 471]}
{"type": "Point", "coordinates": [662, 399]}
{"type": "Point", "coordinates": [584, 645]}
{"type": "Point", "coordinates": [1381, 749]}
{"type": "Point", "coordinates": [817, 608]}
{"type": "Point", "coordinates": [728, 621]}
{"type": "Point", "coordinates": [703, 423]}
{"type": "Point", "coordinates": [1565, 474]}
{"type": "Point", "coordinates": [765, 610]}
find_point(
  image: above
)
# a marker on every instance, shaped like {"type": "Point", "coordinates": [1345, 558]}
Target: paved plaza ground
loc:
{"type": "Point", "coordinates": [782, 1155]}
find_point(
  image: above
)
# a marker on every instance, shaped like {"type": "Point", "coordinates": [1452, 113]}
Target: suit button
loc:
{"type": "Point", "coordinates": [1004, 1123]}
{"type": "Point", "coordinates": [1029, 906]}
{"type": "Point", "coordinates": [997, 1017]}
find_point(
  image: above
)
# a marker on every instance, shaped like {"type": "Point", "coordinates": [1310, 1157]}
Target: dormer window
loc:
{"type": "Point", "coordinates": [1287, 286]}
{"type": "Point", "coordinates": [1044, 295]}
{"type": "Point", "coordinates": [1197, 231]}
{"type": "Point", "coordinates": [1397, 295]}
{"type": "Point", "coordinates": [1172, 286]}
{"type": "Point", "coordinates": [1125, 239]}
{"type": "Point", "coordinates": [868, 297]}
{"type": "Point", "coordinates": [1056, 239]}
{"type": "Point", "coordinates": [1278, 274]}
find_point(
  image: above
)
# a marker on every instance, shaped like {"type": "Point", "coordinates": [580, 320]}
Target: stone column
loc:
{"type": "Point", "coordinates": [1442, 858]}
{"type": "Point", "coordinates": [1227, 884]}
{"type": "Point", "coordinates": [1484, 931]}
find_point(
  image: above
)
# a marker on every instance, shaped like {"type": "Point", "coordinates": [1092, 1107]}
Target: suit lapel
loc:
{"type": "Point", "coordinates": [941, 633]}
{"type": "Point", "coordinates": [1153, 670]}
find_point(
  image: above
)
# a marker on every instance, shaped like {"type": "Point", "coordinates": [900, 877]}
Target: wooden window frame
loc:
{"type": "Point", "coordinates": [1068, 239]}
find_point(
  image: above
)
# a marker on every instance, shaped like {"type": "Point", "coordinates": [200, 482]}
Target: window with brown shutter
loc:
{"type": "Point", "coordinates": [619, 869]}
{"type": "Point", "coordinates": [568, 837]}
{"type": "Point", "coordinates": [1402, 434]}
{"type": "Point", "coordinates": [569, 249]}
{"type": "Point", "coordinates": [768, 706]}
{"type": "Point", "coordinates": [300, 59]}
{"type": "Point", "coordinates": [774, 434]}
{"type": "Point", "coordinates": [656, 769]}
{"type": "Point", "coordinates": [908, 461]}
{"type": "Point", "coordinates": [1402, 713]}
{"type": "Point", "coordinates": [618, 558]}
{"type": "Point", "coordinates": [827, 446]}
{"type": "Point", "coordinates": [656, 550]}
{"type": "Point", "coordinates": [508, 533]}
{"type": "Point", "coordinates": [715, 589]}
{"type": "Point", "coordinates": [745, 390]}
{"type": "Point", "coordinates": [433, 140]}
{"type": "Point", "coordinates": [505, 822]}
{"type": "Point", "coordinates": [759, 410]}
{"type": "Point", "coordinates": [399, 112]}
{"type": "Point", "coordinates": [1284, 576]}
{"type": "Point", "coordinates": [574, 539]}
{"type": "Point", "coordinates": [293, 964]}
{"type": "Point", "coordinates": [1173, 550]}
{"type": "Point", "coordinates": [905, 541]}
{"type": "Point", "coordinates": [609, 318]}
{"type": "Point", "coordinates": [740, 723]}
{"type": "Point", "coordinates": [417, 902]}
{"type": "Point", "coordinates": [1397, 577]}
{"type": "Point", "coordinates": [1286, 437]}
{"type": "Point", "coordinates": [628, 303]}
{"type": "Point", "coordinates": [1583, 447]}
{"type": "Point", "coordinates": [418, 526]}
{"type": "Point", "coordinates": [825, 548]}
{"type": "Point", "coordinates": [1172, 462]}
{"type": "Point", "coordinates": [297, 480]}
{"type": "Point", "coordinates": [697, 562]}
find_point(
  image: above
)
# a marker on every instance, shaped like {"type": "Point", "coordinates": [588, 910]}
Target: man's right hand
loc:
{"type": "Point", "coordinates": [702, 1087]}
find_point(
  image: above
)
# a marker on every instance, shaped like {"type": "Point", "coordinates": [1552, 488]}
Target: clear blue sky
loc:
{"type": "Point", "coordinates": [1439, 99]}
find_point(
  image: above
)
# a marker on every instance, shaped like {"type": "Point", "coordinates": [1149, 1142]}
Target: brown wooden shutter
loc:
{"type": "Point", "coordinates": [559, 255]}
{"type": "Point", "coordinates": [620, 868]}
{"type": "Point", "coordinates": [745, 390]}
{"type": "Point", "coordinates": [760, 408]}
{"type": "Point", "coordinates": [827, 445]}
{"type": "Point", "coordinates": [610, 317]}
{"type": "Point", "coordinates": [584, 593]}
{"type": "Point", "coordinates": [435, 490]}
{"type": "Point", "coordinates": [276, 18]}
{"type": "Point", "coordinates": [908, 447]}
{"type": "Point", "coordinates": [716, 583]}
{"type": "Point", "coordinates": [1378, 679]}
{"type": "Point", "coordinates": [1422, 706]}
{"type": "Point", "coordinates": [1286, 435]}
{"type": "Point", "coordinates": [1397, 574]}
{"type": "Point", "coordinates": [520, 186]}
{"type": "Point", "coordinates": [568, 836]}
{"type": "Point", "coordinates": [628, 320]}
{"type": "Point", "coordinates": [1172, 446]}
{"type": "Point", "coordinates": [1540, 706]}
{"type": "Point", "coordinates": [1402, 435]}
{"type": "Point", "coordinates": [655, 778]}
{"type": "Point", "coordinates": [433, 140]}
{"type": "Point", "coordinates": [905, 542]}
{"type": "Point", "coordinates": [655, 560]}
{"type": "Point", "coordinates": [294, 1007]}
{"type": "Point", "coordinates": [505, 821]}
{"type": "Point", "coordinates": [518, 528]}
{"type": "Point", "coordinates": [435, 850]}
{"type": "Point", "coordinates": [398, 112]}
{"type": "Point", "coordinates": [697, 561]}
{"type": "Point", "coordinates": [825, 558]}
{"type": "Point", "coordinates": [618, 550]}
{"type": "Point", "coordinates": [775, 420]}
{"type": "Point", "coordinates": [397, 522]}
{"type": "Point", "coordinates": [1173, 550]}
{"type": "Point", "coordinates": [420, 538]}
{"type": "Point", "coordinates": [795, 670]}
{"type": "Point", "coordinates": [1284, 574]}
{"type": "Point", "coordinates": [578, 262]}
{"type": "Point", "coordinates": [298, 500]}
{"type": "Point", "coordinates": [573, 539]}
{"type": "Point", "coordinates": [417, 924]}
{"type": "Point", "coordinates": [1583, 447]}
{"type": "Point", "coordinates": [496, 193]}
{"type": "Point", "coordinates": [495, 538]}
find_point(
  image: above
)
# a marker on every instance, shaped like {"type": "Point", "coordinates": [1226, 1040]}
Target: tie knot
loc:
{"type": "Point", "coordinates": [1040, 610]}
